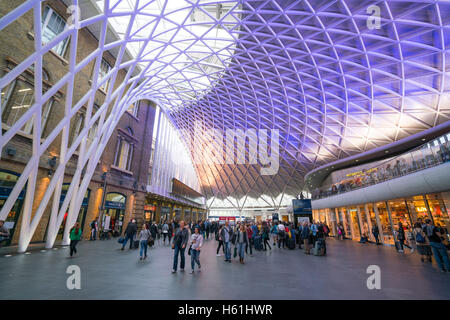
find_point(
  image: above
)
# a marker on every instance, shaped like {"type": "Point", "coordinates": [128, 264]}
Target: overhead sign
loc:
{"type": "Point", "coordinates": [302, 206]}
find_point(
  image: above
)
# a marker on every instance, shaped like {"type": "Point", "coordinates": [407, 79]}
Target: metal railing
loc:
{"type": "Point", "coordinates": [418, 159]}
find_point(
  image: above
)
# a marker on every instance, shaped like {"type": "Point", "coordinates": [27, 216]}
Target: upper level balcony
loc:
{"type": "Point", "coordinates": [418, 159]}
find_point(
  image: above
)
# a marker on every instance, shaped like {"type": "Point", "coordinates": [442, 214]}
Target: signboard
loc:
{"type": "Point", "coordinates": [227, 218]}
{"type": "Point", "coordinates": [302, 206]}
{"type": "Point", "coordinates": [149, 208]}
{"type": "Point", "coordinates": [302, 210]}
{"type": "Point", "coordinates": [301, 220]}
{"type": "Point", "coordinates": [275, 217]}
{"type": "Point", "coordinates": [114, 205]}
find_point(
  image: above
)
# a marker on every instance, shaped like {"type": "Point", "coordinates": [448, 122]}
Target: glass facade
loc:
{"type": "Point", "coordinates": [386, 215]}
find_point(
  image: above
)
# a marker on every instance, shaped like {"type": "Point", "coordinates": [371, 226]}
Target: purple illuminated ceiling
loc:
{"type": "Point", "coordinates": [332, 86]}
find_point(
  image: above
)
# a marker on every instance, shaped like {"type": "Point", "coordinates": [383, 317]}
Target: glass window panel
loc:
{"type": "Point", "coordinates": [385, 223]}
{"type": "Point", "coordinates": [52, 26]}
{"type": "Point", "coordinates": [438, 210]}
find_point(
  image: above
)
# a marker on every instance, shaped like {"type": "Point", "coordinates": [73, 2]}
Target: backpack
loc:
{"type": "Point", "coordinates": [420, 238]}
{"type": "Point", "coordinates": [281, 234]}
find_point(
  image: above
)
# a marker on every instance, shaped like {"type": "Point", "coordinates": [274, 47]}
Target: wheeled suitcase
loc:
{"type": "Point", "coordinates": [290, 243]}
{"type": "Point", "coordinates": [257, 242]}
{"type": "Point", "coordinates": [319, 248]}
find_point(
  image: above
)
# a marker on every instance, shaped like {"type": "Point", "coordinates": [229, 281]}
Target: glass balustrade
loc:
{"type": "Point", "coordinates": [421, 158]}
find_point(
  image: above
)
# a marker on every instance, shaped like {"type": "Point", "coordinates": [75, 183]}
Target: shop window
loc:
{"type": "Point", "coordinates": [344, 218]}
{"type": "Point", "coordinates": [365, 222]}
{"type": "Point", "coordinates": [417, 208]}
{"type": "Point", "coordinates": [399, 213]}
{"type": "Point", "coordinates": [52, 25]}
{"type": "Point", "coordinates": [438, 210]}
{"type": "Point", "coordinates": [112, 221]}
{"type": "Point", "coordinates": [354, 221]}
{"type": "Point", "coordinates": [8, 180]}
{"type": "Point", "coordinates": [388, 237]}
{"type": "Point", "coordinates": [17, 98]}
{"type": "Point", "coordinates": [105, 68]}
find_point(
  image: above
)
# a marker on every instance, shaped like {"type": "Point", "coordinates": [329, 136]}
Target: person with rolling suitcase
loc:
{"type": "Point", "coordinates": [130, 232]}
{"type": "Point", "coordinates": [265, 236]}
{"type": "Point", "coordinates": [290, 239]}
{"type": "Point", "coordinates": [320, 248]}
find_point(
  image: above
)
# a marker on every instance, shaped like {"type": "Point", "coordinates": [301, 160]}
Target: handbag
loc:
{"type": "Point", "coordinates": [190, 250]}
{"type": "Point", "coordinates": [235, 252]}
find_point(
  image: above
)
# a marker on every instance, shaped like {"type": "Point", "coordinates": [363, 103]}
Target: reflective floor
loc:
{"type": "Point", "coordinates": [108, 273]}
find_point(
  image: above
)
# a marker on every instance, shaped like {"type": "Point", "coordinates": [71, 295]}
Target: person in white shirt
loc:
{"type": "Point", "coordinates": [281, 235]}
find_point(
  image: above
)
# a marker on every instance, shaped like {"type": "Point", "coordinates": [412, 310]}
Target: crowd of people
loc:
{"type": "Point", "coordinates": [243, 238]}
{"type": "Point", "coordinates": [426, 238]}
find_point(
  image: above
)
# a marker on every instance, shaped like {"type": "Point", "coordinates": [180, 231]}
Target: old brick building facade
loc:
{"type": "Point", "coordinates": [126, 156]}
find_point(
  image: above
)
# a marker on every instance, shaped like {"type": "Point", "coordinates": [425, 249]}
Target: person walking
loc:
{"type": "Point", "coordinates": [265, 236]}
{"type": "Point", "coordinates": [274, 232]}
{"type": "Point", "coordinates": [242, 242]}
{"type": "Point", "coordinates": [207, 228]}
{"type": "Point", "coordinates": [196, 243]}
{"type": "Point", "coordinates": [227, 234]}
{"type": "Point", "coordinates": [376, 234]}
{"type": "Point", "coordinates": [401, 238]}
{"type": "Point", "coordinates": [179, 243]}
{"type": "Point", "coordinates": [250, 240]}
{"type": "Point", "coordinates": [143, 241]}
{"type": "Point", "coordinates": [130, 232]}
{"type": "Point", "coordinates": [305, 237]}
{"type": "Point", "coordinates": [165, 232]}
{"type": "Point", "coordinates": [436, 238]}
{"type": "Point", "coordinates": [220, 240]}
{"type": "Point", "coordinates": [170, 232]}
{"type": "Point", "coordinates": [75, 237]}
{"type": "Point", "coordinates": [94, 226]}
{"type": "Point", "coordinates": [422, 243]}
{"type": "Point", "coordinates": [281, 235]}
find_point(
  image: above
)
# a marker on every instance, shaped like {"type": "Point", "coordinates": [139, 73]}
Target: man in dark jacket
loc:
{"type": "Point", "coordinates": [227, 236]}
{"type": "Point", "coordinates": [130, 231]}
{"type": "Point", "coordinates": [179, 243]}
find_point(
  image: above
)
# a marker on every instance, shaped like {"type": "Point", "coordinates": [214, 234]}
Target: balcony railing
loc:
{"type": "Point", "coordinates": [416, 160]}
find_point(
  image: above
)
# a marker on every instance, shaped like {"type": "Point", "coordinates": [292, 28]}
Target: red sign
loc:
{"type": "Point", "coordinates": [149, 208]}
{"type": "Point", "coordinates": [228, 218]}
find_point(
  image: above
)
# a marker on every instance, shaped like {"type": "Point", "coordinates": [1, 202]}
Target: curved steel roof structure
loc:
{"type": "Point", "coordinates": [334, 77]}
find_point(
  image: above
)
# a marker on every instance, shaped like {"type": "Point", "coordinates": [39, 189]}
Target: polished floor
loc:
{"type": "Point", "coordinates": [109, 273]}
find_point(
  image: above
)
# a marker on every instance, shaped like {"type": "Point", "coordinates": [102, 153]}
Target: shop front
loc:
{"type": "Point", "coordinates": [438, 210]}
{"type": "Point", "coordinates": [8, 180]}
{"type": "Point", "coordinates": [187, 215]}
{"type": "Point", "coordinates": [177, 213]}
{"type": "Point", "coordinates": [386, 215]}
{"type": "Point", "coordinates": [114, 213]}
{"type": "Point", "coordinates": [165, 214]}
{"type": "Point", "coordinates": [81, 219]}
{"type": "Point", "coordinates": [345, 221]}
{"type": "Point", "coordinates": [400, 214]}
{"type": "Point", "coordinates": [149, 213]}
{"type": "Point", "coordinates": [354, 223]}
